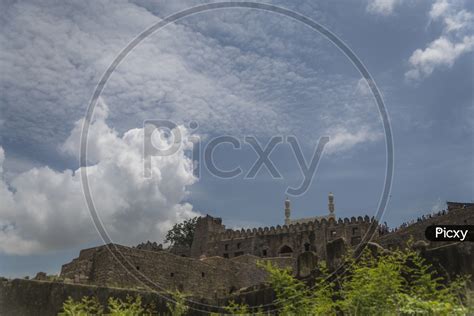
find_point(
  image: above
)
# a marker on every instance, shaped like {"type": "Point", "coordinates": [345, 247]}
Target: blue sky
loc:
{"type": "Point", "coordinates": [236, 72]}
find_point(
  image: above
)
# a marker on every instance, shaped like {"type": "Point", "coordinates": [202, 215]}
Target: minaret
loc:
{"type": "Point", "coordinates": [331, 203]}
{"type": "Point", "coordinates": [287, 211]}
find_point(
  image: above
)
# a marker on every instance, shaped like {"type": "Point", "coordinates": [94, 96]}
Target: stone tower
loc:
{"type": "Point", "coordinates": [287, 211]}
{"type": "Point", "coordinates": [206, 227]}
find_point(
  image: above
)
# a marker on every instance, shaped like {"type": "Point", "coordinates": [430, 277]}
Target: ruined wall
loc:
{"type": "Point", "coordinates": [208, 277]}
{"type": "Point", "coordinates": [81, 266]}
{"type": "Point", "coordinates": [273, 241]}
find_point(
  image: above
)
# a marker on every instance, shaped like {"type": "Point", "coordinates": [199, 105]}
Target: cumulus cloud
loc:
{"type": "Point", "coordinates": [456, 40]}
{"type": "Point", "coordinates": [43, 209]}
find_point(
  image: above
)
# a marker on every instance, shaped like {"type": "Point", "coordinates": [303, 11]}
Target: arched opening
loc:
{"type": "Point", "coordinates": [285, 251]}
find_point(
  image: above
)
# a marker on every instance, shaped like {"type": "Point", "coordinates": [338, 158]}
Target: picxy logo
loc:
{"type": "Point", "coordinates": [450, 233]}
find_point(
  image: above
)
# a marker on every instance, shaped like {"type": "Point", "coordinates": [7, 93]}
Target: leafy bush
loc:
{"type": "Point", "coordinates": [241, 309]}
{"type": "Point", "coordinates": [395, 283]}
{"type": "Point", "coordinates": [88, 306]}
{"type": "Point", "coordinates": [85, 307]}
{"type": "Point", "coordinates": [178, 307]}
{"type": "Point", "coordinates": [237, 309]}
{"type": "Point", "coordinates": [293, 297]}
{"type": "Point", "coordinates": [129, 307]}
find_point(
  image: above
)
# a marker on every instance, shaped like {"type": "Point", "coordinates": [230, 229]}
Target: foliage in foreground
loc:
{"type": "Point", "coordinates": [178, 307]}
{"type": "Point", "coordinates": [116, 307]}
{"type": "Point", "coordinates": [86, 306]}
{"type": "Point", "coordinates": [395, 283]}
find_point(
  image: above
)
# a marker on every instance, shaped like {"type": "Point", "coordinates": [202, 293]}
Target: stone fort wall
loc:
{"type": "Point", "coordinates": [222, 260]}
{"type": "Point", "coordinates": [213, 239]}
{"type": "Point", "coordinates": [208, 277]}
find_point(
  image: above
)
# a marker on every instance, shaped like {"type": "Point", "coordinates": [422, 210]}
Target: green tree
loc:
{"type": "Point", "coordinates": [182, 234]}
{"type": "Point", "coordinates": [294, 297]}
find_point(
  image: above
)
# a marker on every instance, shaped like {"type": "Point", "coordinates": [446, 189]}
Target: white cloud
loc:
{"type": "Point", "coordinates": [456, 40]}
{"type": "Point", "coordinates": [439, 8]}
{"type": "Point", "coordinates": [441, 52]}
{"type": "Point", "coordinates": [43, 209]}
{"type": "Point", "coordinates": [383, 7]}
{"type": "Point", "coordinates": [458, 21]}
{"type": "Point", "coordinates": [341, 139]}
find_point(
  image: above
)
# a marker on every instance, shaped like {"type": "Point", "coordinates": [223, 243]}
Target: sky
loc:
{"type": "Point", "coordinates": [238, 73]}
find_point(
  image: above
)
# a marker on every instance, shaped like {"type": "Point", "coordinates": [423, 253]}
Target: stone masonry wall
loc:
{"type": "Point", "coordinates": [208, 277]}
{"type": "Point", "coordinates": [272, 241]}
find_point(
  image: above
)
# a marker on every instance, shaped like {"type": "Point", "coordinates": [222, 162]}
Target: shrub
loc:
{"type": "Point", "coordinates": [88, 306]}
{"type": "Point", "coordinates": [293, 297]}
{"type": "Point", "coordinates": [85, 307]}
{"type": "Point", "coordinates": [178, 307]}
{"type": "Point", "coordinates": [395, 283]}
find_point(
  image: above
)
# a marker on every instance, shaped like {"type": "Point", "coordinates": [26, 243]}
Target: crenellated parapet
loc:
{"type": "Point", "coordinates": [317, 224]}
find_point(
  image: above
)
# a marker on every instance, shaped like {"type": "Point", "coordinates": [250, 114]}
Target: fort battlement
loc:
{"type": "Point", "coordinates": [293, 228]}
{"type": "Point", "coordinates": [296, 236]}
